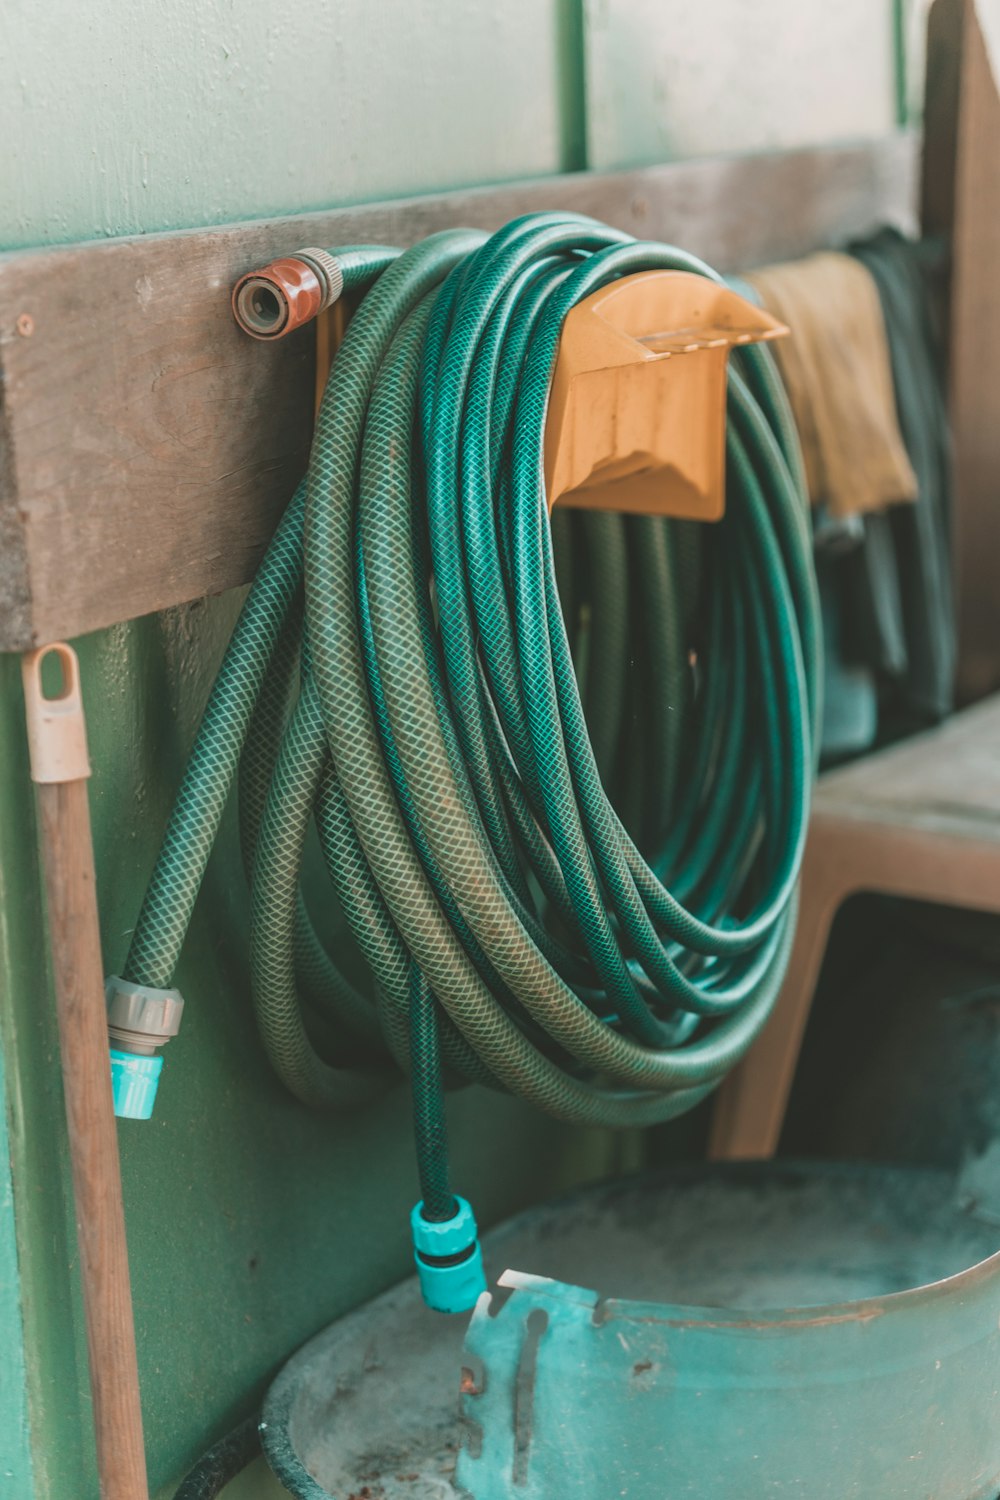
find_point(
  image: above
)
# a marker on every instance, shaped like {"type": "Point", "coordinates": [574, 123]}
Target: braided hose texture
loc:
{"type": "Point", "coordinates": [560, 773]}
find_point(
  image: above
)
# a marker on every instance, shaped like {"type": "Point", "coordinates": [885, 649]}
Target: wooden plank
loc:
{"type": "Point", "coordinates": [60, 769]}
{"type": "Point", "coordinates": [147, 447]}
{"type": "Point", "coordinates": [950, 772]}
{"type": "Point", "coordinates": [942, 86]}
{"type": "Point", "coordinates": [961, 201]}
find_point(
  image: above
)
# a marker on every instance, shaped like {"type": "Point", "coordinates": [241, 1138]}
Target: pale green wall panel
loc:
{"type": "Point", "coordinates": [136, 115]}
{"type": "Point", "coordinates": [15, 1442]}
{"type": "Point", "coordinates": [674, 78]}
{"type": "Point", "coordinates": [913, 38]}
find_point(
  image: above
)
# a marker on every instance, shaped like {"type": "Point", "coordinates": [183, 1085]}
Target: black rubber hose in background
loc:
{"type": "Point", "coordinates": [227, 1458]}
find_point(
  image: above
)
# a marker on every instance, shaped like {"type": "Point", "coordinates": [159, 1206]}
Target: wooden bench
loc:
{"type": "Point", "coordinates": [919, 820]}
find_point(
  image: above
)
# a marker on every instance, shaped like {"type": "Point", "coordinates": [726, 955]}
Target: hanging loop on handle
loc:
{"type": "Point", "coordinates": [57, 730]}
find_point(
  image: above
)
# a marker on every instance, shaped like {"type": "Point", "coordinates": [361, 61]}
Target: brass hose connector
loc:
{"type": "Point", "coordinates": [287, 294]}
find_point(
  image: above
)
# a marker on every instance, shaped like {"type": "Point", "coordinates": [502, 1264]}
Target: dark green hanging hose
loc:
{"type": "Point", "coordinates": [564, 822]}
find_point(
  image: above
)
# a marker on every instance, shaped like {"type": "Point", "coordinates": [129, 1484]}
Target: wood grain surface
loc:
{"type": "Point", "coordinates": [78, 981]}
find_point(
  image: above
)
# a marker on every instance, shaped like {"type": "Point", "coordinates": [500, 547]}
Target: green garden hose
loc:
{"type": "Point", "coordinates": [565, 820]}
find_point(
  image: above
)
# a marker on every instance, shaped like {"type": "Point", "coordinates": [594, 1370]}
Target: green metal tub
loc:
{"type": "Point", "coordinates": [776, 1331]}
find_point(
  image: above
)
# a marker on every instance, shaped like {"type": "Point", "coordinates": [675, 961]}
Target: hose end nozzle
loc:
{"type": "Point", "coordinates": [134, 1081]}
{"type": "Point", "coordinates": [141, 1020]}
{"type": "Point", "coordinates": [449, 1259]}
{"type": "Point", "coordinates": [287, 294]}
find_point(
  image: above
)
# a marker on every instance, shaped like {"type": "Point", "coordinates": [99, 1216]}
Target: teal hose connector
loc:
{"type": "Point", "coordinates": [449, 1259]}
{"type": "Point", "coordinates": [141, 1020]}
{"type": "Point", "coordinates": [134, 1082]}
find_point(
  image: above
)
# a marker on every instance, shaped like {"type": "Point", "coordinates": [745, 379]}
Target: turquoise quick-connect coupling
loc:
{"type": "Point", "coordinates": [449, 1259]}
{"type": "Point", "coordinates": [141, 1020]}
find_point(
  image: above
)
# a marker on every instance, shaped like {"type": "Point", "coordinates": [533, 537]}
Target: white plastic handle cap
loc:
{"type": "Point", "coordinates": [57, 730]}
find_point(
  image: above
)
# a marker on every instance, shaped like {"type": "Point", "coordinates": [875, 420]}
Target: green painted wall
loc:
{"type": "Point", "coordinates": [15, 1444]}
{"type": "Point", "coordinates": [252, 1223]}
{"type": "Point", "coordinates": [122, 117]}
{"type": "Point", "coordinates": [668, 78]}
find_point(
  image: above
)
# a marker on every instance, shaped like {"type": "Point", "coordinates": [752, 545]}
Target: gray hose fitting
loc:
{"type": "Point", "coordinates": [141, 1020]}
{"type": "Point", "coordinates": [328, 273]}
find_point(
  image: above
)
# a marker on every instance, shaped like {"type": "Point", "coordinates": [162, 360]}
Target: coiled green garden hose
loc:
{"type": "Point", "coordinates": [564, 822]}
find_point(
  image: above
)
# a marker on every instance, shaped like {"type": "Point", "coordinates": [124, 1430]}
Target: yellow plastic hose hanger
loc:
{"type": "Point", "coordinates": [637, 411]}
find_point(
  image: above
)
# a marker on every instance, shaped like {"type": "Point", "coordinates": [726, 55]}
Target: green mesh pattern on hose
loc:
{"type": "Point", "coordinates": [564, 820]}
{"type": "Point", "coordinates": [429, 1123]}
{"type": "Point", "coordinates": [197, 812]}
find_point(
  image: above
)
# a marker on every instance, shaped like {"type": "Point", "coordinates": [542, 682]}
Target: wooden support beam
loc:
{"type": "Point", "coordinates": [147, 447]}
{"type": "Point", "coordinates": [961, 203]}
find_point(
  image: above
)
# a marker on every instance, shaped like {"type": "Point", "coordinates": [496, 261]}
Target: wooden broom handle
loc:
{"type": "Point", "coordinates": [60, 768]}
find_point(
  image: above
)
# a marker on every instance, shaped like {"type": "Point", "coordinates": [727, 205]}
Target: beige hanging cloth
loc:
{"type": "Point", "coordinates": [838, 376]}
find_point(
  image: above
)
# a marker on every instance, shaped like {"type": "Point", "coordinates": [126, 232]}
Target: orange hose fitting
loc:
{"type": "Point", "coordinates": [286, 294]}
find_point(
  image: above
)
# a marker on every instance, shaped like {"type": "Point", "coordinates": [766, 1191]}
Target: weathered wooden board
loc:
{"type": "Point", "coordinates": [962, 203]}
{"type": "Point", "coordinates": [147, 447]}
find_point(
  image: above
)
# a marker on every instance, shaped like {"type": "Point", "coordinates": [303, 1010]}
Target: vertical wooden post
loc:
{"type": "Point", "coordinates": [60, 768]}
{"type": "Point", "coordinates": [961, 203]}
